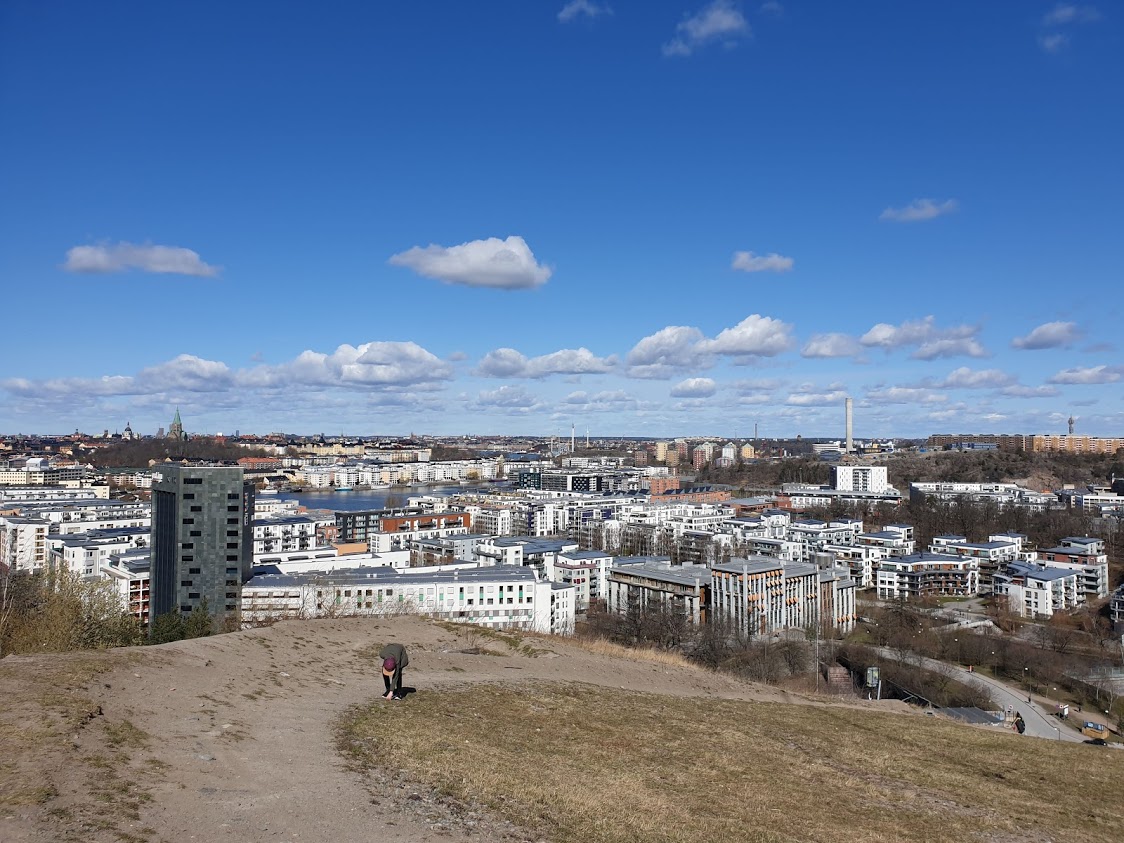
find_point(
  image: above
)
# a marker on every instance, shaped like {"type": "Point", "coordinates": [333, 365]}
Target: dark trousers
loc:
{"type": "Point", "coordinates": [395, 683]}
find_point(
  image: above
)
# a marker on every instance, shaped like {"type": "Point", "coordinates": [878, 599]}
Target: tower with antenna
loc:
{"type": "Point", "coordinates": [1072, 421]}
{"type": "Point", "coordinates": [573, 436]}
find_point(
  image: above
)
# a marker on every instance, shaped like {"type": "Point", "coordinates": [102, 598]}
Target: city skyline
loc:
{"type": "Point", "coordinates": [642, 219]}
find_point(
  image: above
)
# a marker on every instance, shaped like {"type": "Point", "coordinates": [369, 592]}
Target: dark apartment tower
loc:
{"type": "Point", "coordinates": [202, 539]}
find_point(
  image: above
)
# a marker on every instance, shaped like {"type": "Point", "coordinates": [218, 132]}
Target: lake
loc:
{"type": "Point", "coordinates": [376, 498]}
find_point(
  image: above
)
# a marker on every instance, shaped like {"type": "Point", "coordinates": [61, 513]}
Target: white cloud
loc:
{"type": "Point", "coordinates": [509, 363]}
{"type": "Point", "coordinates": [958, 347]}
{"type": "Point", "coordinates": [510, 398]}
{"type": "Point", "coordinates": [576, 8]}
{"type": "Point", "coordinates": [919, 210]}
{"type": "Point", "coordinates": [609, 401]}
{"type": "Point", "coordinates": [669, 351]}
{"type": "Point", "coordinates": [1089, 375]}
{"type": "Point", "coordinates": [694, 388]}
{"type": "Point", "coordinates": [754, 336]}
{"type": "Point", "coordinates": [1064, 13]}
{"type": "Point", "coordinates": [719, 22]}
{"type": "Point", "coordinates": [772, 7]}
{"type": "Point", "coordinates": [772, 262]}
{"type": "Point", "coordinates": [1019, 391]}
{"type": "Point", "coordinates": [171, 260]}
{"type": "Point", "coordinates": [1049, 335]}
{"type": "Point", "coordinates": [965, 378]}
{"type": "Point", "coordinates": [816, 399]}
{"type": "Point", "coordinates": [502, 264]}
{"type": "Point", "coordinates": [831, 345]}
{"type": "Point", "coordinates": [1053, 43]}
{"type": "Point", "coordinates": [932, 342]}
{"type": "Point", "coordinates": [905, 395]}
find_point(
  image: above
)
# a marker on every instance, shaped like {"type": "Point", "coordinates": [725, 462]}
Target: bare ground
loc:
{"type": "Point", "coordinates": [234, 737]}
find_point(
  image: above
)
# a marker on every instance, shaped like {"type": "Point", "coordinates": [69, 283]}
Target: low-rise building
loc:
{"type": "Point", "coordinates": [1035, 590]}
{"type": "Point", "coordinates": [645, 583]}
{"type": "Point", "coordinates": [498, 597]}
{"type": "Point", "coordinates": [927, 575]}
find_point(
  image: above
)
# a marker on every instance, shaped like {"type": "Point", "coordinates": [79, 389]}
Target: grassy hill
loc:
{"type": "Point", "coordinates": [279, 734]}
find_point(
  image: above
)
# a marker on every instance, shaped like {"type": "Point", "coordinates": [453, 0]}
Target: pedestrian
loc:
{"type": "Point", "coordinates": [394, 660]}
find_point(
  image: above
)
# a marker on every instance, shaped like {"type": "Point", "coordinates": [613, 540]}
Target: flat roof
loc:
{"type": "Point", "coordinates": [388, 576]}
{"type": "Point", "coordinates": [690, 575]}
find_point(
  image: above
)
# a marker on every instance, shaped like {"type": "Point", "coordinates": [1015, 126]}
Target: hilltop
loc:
{"type": "Point", "coordinates": [277, 733]}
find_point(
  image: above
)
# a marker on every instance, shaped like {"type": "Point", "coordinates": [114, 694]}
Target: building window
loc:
{"type": "Point", "coordinates": [232, 509]}
{"type": "Point", "coordinates": [193, 481]}
{"type": "Point", "coordinates": [189, 496]}
{"type": "Point", "coordinates": [187, 557]}
{"type": "Point", "coordinates": [196, 508]}
{"type": "Point", "coordinates": [193, 595]}
{"type": "Point", "coordinates": [232, 532]}
{"type": "Point", "coordinates": [232, 545]}
{"type": "Point", "coordinates": [193, 570]}
{"type": "Point", "coordinates": [232, 496]}
{"type": "Point", "coordinates": [187, 546]}
{"type": "Point", "coordinates": [195, 533]}
{"type": "Point", "coordinates": [186, 583]}
{"type": "Point", "coordinates": [231, 520]}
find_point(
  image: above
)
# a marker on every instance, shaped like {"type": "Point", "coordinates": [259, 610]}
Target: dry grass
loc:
{"type": "Point", "coordinates": [603, 647]}
{"type": "Point", "coordinates": [579, 763]}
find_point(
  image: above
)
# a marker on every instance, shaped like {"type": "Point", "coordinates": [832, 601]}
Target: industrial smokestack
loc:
{"type": "Point", "coordinates": [850, 443]}
{"type": "Point", "coordinates": [572, 435]}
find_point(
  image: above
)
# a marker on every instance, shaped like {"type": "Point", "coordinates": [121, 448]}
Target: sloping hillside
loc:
{"type": "Point", "coordinates": [271, 734]}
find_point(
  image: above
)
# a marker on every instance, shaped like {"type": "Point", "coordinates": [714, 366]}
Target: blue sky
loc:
{"type": "Point", "coordinates": [673, 218]}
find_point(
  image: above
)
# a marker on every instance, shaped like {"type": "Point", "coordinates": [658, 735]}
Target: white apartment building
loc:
{"type": "Point", "coordinates": [1038, 591]}
{"type": "Point", "coordinates": [813, 535]}
{"type": "Point", "coordinates": [992, 555]}
{"type": "Point", "coordinates": [586, 570]}
{"type": "Point", "coordinates": [23, 543]}
{"type": "Point", "coordinates": [861, 478]}
{"type": "Point", "coordinates": [1002, 494]}
{"type": "Point", "coordinates": [284, 533]}
{"type": "Point", "coordinates": [927, 575]}
{"type": "Point", "coordinates": [498, 597]}
{"type": "Point", "coordinates": [1087, 557]}
{"type": "Point", "coordinates": [87, 554]}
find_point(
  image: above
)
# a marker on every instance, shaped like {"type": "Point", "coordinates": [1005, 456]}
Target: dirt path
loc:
{"type": "Point", "coordinates": [232, 737]}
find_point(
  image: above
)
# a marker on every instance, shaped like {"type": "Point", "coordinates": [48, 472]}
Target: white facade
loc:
{"type": "Point", "coordinates": [495, 597]}
{"type": "Point", "coordinates": [861, 478]}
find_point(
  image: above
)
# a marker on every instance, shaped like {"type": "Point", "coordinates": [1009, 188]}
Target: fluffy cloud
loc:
{"type": "Point", "coordinates": [694, 388]}
{"type": "Point", "coordinates": [1049, 335]}
{"type": "Point", "coordinates": [919, 210]}
{"type": "Point", "coordinates": [502, 264]}
{"type": "Point", "coordinates": [1091, 374]}
{"type": "Point", "coordinates": [509, 398]}
{"type": "Point", "coordinates": [171, 260]}
{"type": "Point", "coordinates": [719, 22]}
{"type": "Point", "coordinates": [809, 398]}
{"type": "Point", "coordinates": [965, 378]}
{"type": "Point", "coordinates": [668, 351]}
{"type": "Point", "coordinates": [577, 8]}
{"type": "Point", "coordinates": [754, 336]}
{"type": "Point", "coordinates": [772, 262]}
{"type": "Point", "coordinates": [831, 345]}
{"type": "Point", "coordinates": [509, 363]}
{"type": "Point", "coordinates": [958, 347]}
{"type": "Point", "coordinates": [932, 342]}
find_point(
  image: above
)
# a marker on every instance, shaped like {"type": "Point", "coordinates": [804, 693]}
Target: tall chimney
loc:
{"type": "Point", "coordinates": [850, 444]}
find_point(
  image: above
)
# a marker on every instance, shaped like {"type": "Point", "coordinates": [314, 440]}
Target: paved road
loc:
{"type": "Point", "coordinates": [1040, 723]}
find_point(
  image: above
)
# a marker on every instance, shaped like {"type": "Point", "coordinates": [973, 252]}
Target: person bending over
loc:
{"type": "Point", "coordinates": [394, 660]}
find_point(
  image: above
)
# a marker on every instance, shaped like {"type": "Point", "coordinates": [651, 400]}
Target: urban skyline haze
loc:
{"type": "Point", "coordinates": [648, 219]}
